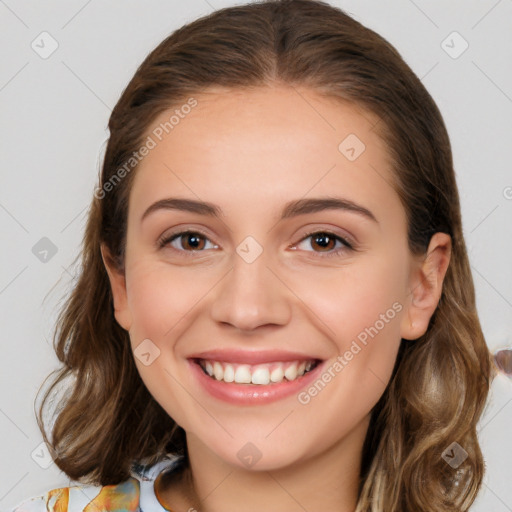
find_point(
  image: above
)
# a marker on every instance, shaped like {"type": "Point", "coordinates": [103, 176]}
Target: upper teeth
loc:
{"type": "Point", "coordinates": [256, 374]}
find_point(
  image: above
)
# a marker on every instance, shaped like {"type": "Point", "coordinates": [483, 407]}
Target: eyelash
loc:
{"type": "Point", "coordinates": [347, 246]}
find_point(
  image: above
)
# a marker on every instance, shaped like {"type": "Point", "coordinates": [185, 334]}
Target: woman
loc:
{"type": "Point", "coordinates": [276, 308]}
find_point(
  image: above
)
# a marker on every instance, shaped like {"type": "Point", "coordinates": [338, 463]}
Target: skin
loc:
{"type": "Point", "coordinates": [250, 152]}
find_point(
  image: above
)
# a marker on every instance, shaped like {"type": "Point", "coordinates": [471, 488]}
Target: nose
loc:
{"type": "Point", "coordinates": [251, 295]}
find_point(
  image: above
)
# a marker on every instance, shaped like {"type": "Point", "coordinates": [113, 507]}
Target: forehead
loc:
{"type": "Point", "coordinates": [263, 144]}
{"type": "Point", "coordinates": [287, 114]}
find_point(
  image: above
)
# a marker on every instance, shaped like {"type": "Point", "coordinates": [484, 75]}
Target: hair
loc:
{"type": "Point", "coordinates": [439, 386]}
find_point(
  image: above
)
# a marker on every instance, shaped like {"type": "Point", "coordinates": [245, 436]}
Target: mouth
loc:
{"type": "Point", "coordinates": [266, 374]}
{"type": "Point", "coordinates": [253, 378]}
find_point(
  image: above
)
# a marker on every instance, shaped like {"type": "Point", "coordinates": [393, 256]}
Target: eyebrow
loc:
{"type": "Point", "coordinates": [291, 209]}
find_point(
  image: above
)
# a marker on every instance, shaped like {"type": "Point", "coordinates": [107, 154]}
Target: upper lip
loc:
{"type": "Point", "coordinates": [251, 357]}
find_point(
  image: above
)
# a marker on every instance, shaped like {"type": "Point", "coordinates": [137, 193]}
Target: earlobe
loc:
{"type": "Point", "coordinates": [426, 286]}
{"type": "Point", "coordinates": [118, 287]}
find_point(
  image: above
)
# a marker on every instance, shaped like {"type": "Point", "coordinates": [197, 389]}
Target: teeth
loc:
{"type": "Point", "coordinates": [229, 373]}
{"type": "Point", "coordinates": [262, 374]}
{"type": "Point", "coordinates": [277, 374]}
{"type": "Point", "coordinates": [291, 372]}
{"type": "Point", "coordinates": [243, 374]}
{"type": "Point", "coordinates": [218, 371]}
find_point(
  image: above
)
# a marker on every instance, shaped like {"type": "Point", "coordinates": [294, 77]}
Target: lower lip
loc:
{"type": "Point", "coordinates": [252, 394]}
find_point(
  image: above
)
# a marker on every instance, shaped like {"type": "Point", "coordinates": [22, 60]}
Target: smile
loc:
{"type": "Point", "coordinates": [253, 377]}
{"type": "Point", "coordinates": [259, 374]}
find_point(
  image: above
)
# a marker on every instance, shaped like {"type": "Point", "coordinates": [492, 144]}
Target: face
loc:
{"type": "Point", "coordinates": [267, 247]}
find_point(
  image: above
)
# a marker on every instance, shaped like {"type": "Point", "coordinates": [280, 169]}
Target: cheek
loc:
{"type": "Point", "coordinates": [374, 314]}
{"type": "Point", "coordinates": [377, 300]}
{"type": "Point", "coordinates": [160, 299]}
{"type": "Point", "coordinates": [161, 303]}
{"type": "Point", "coordinates": [353, 298]}
{"type": "Point", "coordinates": [360, 309]}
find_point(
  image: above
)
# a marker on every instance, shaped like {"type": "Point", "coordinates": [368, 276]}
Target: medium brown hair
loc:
{"type": "Point", "coordinates": [108, 419]}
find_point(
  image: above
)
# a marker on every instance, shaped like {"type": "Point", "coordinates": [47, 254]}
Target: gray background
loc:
{"type": "Point", "coordinates": [54, 114]}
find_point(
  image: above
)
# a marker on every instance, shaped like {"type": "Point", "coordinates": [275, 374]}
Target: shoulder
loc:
{"type": "Point", "coordinates": [123, 497]}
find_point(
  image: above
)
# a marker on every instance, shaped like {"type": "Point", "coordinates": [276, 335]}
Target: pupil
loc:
{"type": "Point", "coordinates": [326, 239]}
{"type": "Point", "coordinates": [193, 241]}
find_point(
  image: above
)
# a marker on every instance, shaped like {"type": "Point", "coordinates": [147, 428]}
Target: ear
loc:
{"type": "Point", "coordinates": [426, 286]}
{"type": "Point", "coordinates": [118, 287]}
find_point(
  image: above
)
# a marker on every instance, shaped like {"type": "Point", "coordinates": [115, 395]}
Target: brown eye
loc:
{"type": "Point", "coordinates": [325, 241]}
{"type": "Point", "coordinates": [192, 241]}
{"type": "Point", "coordinates": [187, 241]}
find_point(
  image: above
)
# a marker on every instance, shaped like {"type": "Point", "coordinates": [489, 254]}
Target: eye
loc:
{"type": "Point", "coordinates": [187, 241]}
{"type": "Point", "coordinates": [195, 241]}
{"type": "Point", "coordinates": [326, 242]}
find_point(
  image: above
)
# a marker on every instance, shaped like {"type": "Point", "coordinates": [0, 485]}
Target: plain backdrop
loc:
{"type": "Point", "coordinates": [63, 67]}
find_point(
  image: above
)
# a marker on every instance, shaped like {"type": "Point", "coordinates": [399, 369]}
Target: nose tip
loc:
{"type": "Point", "coordinates": [251, 296]}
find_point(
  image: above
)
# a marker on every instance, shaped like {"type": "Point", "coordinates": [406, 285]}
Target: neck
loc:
{"type": "Point", "coordinates": [326, 480]}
